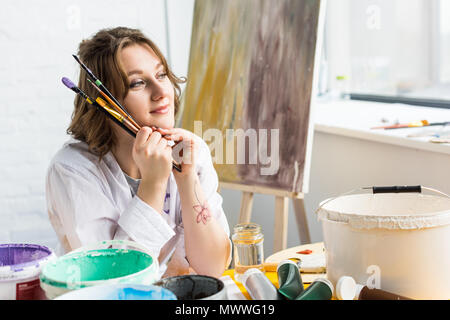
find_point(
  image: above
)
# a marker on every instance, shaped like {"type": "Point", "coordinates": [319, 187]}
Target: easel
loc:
{"type": "Point", "coordinates": [281, 211]}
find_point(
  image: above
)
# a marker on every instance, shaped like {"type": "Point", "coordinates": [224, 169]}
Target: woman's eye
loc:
{"type": "Point", "coordinates": [162, 75]}
{"type": "Point", "coordinates": [137, 83]}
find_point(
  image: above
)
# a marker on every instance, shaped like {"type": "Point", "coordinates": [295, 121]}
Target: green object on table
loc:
{"type": "Point", "coordinates": [289, 279]}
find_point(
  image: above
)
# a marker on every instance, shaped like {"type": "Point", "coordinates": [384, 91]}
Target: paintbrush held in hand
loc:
{"type": "Point", "coordinates": [116, 117]}
{"type": "Point", "coordinates": [116, 107]}
{"type": "Point", "coordinates": [69, 84]}
{"type": "Point", "coordinates": [99, 83]}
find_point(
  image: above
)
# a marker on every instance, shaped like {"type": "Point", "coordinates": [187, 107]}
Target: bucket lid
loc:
{"type": "Point", "coordinates": [22, 260]}
{"type": "Point", "coordinates": [388, 211]}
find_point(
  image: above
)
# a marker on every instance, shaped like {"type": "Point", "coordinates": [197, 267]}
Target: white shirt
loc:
{"type": "Point", "coordinates": [89, 201]}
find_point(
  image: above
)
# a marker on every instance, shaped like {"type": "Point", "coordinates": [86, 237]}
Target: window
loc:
{"type": "Point", "coordinates": [388, 50]}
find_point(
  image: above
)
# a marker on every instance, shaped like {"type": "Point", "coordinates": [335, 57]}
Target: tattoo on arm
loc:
{"type": "Point", "coordinates": [203, 214]}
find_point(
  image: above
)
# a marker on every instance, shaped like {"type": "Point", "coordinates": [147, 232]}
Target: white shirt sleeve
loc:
{"type": "Point", "coordinates": [87, 215]}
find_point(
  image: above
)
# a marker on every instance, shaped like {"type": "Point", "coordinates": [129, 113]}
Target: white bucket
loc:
{"type": "Point", "coordinates": [399, 243]}
{"type": "Point", "coordinates": [20, 267]}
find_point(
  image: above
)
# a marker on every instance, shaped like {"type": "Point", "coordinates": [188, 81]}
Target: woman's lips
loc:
{"type": "Point", "coordinates": [162, 110]}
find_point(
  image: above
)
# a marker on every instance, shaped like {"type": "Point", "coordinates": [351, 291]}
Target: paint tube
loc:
{"type": "Point", "coordinates": [320, 289]}
{"type": "Point", "coordinates": [376, 294]}
{"type": "Point", "coordinates": [289, 279]}
{"type": "Point", "coordinates": [259, 286]}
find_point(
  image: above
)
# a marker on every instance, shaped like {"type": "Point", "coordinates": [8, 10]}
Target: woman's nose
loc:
{"type": "Point", "coordinates": [159, 91]}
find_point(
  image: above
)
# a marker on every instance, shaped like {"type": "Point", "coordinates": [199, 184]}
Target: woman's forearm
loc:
{"type": "Point", "coordinates": [152, 193]}
{"type": "Point", "coordinates": [206, 243]}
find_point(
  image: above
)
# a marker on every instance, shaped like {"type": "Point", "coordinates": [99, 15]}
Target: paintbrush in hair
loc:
{"type": "Point", "coordinates": [114, 117]}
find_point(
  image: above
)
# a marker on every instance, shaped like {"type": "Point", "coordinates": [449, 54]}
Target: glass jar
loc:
{"type": "Point", "coordinates": [248, 248]}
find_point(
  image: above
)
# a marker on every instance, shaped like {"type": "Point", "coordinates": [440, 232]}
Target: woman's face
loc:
{"type": "Point", "coordinates": [150, 99]}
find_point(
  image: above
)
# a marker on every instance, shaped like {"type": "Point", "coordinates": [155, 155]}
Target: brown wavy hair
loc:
{"type": "Point", "coordinates": [101, 55]}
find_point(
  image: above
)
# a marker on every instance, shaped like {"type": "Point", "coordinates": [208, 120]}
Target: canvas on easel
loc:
{"type": "Point", "coordinates": [249, 91]}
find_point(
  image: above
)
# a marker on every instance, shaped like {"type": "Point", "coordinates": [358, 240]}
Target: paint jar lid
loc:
{"type": "Point", "coordinates": [250, 233]}
{"type": "Point", "coordinates": [346, 288]}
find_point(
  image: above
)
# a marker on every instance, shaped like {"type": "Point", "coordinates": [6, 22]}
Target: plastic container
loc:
{"type": "Point", "coordinates": [20, 267]}
{"type": "Point", "coordinates": [119, 292]}
{"type": "Point", "coordinates": [396, 238]}
{"type": "Point", "coordinates": [99, 264]}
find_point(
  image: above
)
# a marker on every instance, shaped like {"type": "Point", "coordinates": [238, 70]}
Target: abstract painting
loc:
{"type": "Point", "coordinates": [249, 88]}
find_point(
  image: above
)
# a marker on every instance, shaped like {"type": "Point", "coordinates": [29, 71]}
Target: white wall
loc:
{"type": "Point", "coordinates": [180, 16]}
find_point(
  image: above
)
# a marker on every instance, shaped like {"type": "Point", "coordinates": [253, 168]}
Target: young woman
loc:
{"type": "Point", "coordinates": [104, 184]}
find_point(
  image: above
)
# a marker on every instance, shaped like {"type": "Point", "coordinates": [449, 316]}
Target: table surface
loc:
{"type": "Point", "coordinates": [277, 257]}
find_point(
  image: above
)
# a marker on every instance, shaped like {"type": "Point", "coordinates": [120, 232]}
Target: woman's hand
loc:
{"type": "Point", "coordinates": [152, 155]}
{"type": "Point", "coordinates": [185, 152]}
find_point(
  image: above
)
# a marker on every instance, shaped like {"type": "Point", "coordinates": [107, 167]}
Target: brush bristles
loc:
{"type": "Point", "coordinates": [68, 83]}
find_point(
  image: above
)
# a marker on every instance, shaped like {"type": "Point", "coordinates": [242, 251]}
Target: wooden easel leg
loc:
{"type": "Point", "coordinates": [246, 207]}
{"type": "Point", "coordinates": [302, 223]}
{"type": "Point", "coordinates": [281, 223]}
